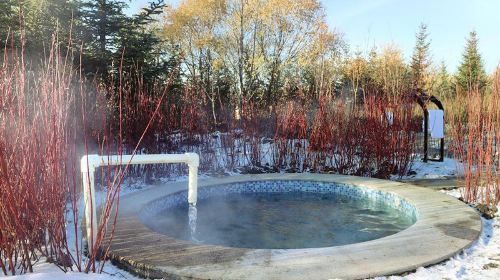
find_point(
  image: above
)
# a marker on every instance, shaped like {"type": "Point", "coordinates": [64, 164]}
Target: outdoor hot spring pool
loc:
{"type": "Point", "coordinates": [280, 215]}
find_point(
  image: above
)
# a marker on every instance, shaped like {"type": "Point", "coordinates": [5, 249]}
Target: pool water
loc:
{"type": "Point", "coordinates": [283, 220]}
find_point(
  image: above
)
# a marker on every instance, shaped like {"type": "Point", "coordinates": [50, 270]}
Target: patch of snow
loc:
{"type": "Point", "coordinates": [434, 169]}
{"type": "Point", "coordinates": [44, 270]}
{"type": "Point", "coordinates": [455, 192]}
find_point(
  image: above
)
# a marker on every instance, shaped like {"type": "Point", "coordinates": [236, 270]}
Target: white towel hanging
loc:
{"type": "Point", "coordinates": [436, 123]}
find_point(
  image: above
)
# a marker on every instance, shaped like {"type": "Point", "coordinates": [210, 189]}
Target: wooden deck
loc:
{"type": "Point", "coordinates": [445, 226]}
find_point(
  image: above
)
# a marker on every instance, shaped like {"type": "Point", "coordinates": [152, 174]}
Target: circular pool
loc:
{"type": "Point", "coordinates": [288, 226]}
{"type": "Point", "coordinates": [280, 214]}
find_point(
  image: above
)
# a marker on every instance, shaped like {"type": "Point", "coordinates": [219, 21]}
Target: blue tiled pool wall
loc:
{"type": "Point", "coordinates": [375, 196]}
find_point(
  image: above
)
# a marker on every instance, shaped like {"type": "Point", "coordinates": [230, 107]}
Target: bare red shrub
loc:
{"type": "Point", "coordinates": [475, 137]}
{"type": "Point", "coordinates": [37, 152]}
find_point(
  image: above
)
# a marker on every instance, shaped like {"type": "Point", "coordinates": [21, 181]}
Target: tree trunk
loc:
{"type": "Point", "coordinates": [241, 51]}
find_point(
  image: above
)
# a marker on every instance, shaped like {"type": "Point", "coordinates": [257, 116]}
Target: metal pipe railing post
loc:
{"type": "Point", "coordinates": [90, 163]}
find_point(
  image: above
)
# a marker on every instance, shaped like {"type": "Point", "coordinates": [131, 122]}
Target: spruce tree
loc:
{"type": "Point", "coordinates": [420, 60]}
{"type": "Point", "coordinates": [471, 74]}
{"type": "Point", "coordinates": [141, 44]}
{"type": "Point", "coordinates": [442, 86]}
{"type": "Point", "coordinates": [102, 20]}
{"type": "Point", "coordinates": [113, 39]}
{"type": "Point", "coordinates": [7, 14]}
{"type": "Point", "coordinates": [39, 20]}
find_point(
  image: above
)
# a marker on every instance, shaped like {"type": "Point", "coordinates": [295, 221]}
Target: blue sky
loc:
{"type": "Point", "coordinates": [368, 22]}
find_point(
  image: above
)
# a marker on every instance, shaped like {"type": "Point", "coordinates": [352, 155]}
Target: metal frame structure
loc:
{"type": "Point", "coordinates": [423, 99]}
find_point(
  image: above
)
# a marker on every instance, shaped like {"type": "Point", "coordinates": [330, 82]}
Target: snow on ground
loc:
{"type": "Point", "coordinates": [433, 169]}
{"type": "Point", "coordinates": [44, 271]}
{"type": "Point", "coordinates": [479, 262]}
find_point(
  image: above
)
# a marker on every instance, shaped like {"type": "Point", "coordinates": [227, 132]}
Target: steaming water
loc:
{"type": "Point", "coordinates": [280, 220]}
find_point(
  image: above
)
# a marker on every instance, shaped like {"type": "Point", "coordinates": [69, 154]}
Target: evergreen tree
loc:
{"type": "Point", "coordinates": [112, 39]}
{"type": "Point", "coordinates": [102, 21]}
{"type": "Point", "coordinates": [471, 74]}
{"type": "Point", "coordinates": [420, 60]}
{"type": "Point", "coordinates": [442, 86]}
{"type": "Point", "coordinates": [39, 20]}
{"type": "Point", "coordinates": [7, 13]}
{"type": "Point", "coordinates": [138, 38]}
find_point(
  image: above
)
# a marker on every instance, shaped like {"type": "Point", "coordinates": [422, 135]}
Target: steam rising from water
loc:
{"type": "Point", "coordinates": [279, 220]}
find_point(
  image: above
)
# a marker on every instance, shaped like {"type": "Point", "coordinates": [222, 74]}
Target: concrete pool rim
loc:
{"type": "Point", "coordinates": [445, 226]}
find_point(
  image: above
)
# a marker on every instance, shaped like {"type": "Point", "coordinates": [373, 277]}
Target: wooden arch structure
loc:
{"type": "Point", "coordinates": [423, 99]}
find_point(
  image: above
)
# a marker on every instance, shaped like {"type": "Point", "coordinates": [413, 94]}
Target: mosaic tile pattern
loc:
{"type": "Point", "coordinates": [376, 196]}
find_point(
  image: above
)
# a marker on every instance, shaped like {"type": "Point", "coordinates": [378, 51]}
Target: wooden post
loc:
{"type": "Point", "coordinates": [426, 133]}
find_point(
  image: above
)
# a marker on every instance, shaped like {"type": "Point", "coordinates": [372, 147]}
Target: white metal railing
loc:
{"type": "Point", "coordinates": [89, 163]}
